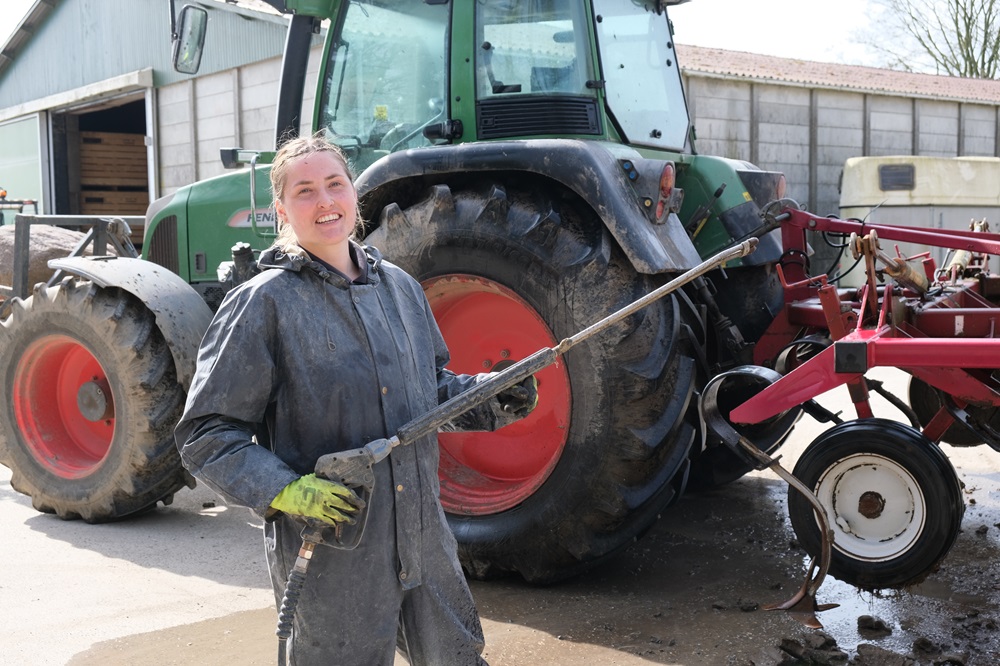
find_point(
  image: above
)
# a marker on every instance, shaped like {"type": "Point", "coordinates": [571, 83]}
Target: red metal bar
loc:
{"type": "Point", "coordinates": [957, 239]}
{"type": "Point", "coordinates": [914, 355]}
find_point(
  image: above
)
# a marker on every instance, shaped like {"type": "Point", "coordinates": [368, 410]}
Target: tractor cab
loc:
{"type": "Point", "coordinates": [413, 73]}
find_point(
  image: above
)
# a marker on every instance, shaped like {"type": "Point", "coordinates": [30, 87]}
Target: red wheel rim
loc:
{"type": "Point", "coordinates": [47, 383]}
{"type": "Point", "coordinates": [488, 327]}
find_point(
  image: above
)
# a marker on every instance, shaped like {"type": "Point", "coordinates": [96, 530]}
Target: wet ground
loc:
{"type": "Point", "coordinates": [186, 585]}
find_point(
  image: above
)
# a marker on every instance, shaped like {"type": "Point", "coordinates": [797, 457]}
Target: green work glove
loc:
{"type": "Point", "coordinates": [520, 399]}
{"type": "Point", "coordinates": [318, 498]}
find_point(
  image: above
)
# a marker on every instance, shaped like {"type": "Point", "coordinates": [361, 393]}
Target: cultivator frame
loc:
{"type": "Point", "coordinates": [874, 502]}
{"type": "Point", "coordinates": [944, 332]}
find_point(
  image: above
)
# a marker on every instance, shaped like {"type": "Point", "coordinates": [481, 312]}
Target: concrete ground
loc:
{"type": "Point", "coordinates": [186, 584]}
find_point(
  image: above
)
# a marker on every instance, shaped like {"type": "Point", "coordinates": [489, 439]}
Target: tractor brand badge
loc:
{"type": "Point", "coordinates": [241, 219]}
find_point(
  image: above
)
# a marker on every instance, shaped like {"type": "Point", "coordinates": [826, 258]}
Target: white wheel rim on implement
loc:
{"type": "Point", "coordinates": [876, 508]}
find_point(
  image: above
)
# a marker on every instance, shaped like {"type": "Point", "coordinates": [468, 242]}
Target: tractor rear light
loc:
{"type": "Point", "coordinates": [667, 180]}
{"type": "Point", "coordinates": [663, 205]}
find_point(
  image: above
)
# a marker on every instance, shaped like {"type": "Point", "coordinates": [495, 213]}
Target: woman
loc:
{"type": "Point", "coordinates": [328, 348]}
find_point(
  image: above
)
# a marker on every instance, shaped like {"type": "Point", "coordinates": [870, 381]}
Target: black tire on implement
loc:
{"type": "Point", "coordinates": [891, 496]}
{"type": "Point", "coordinates": [89, 400]}
{"type": "Point", "coordinates": [927, 400]}
{"type": "Point", "coordinates": [622, 455]}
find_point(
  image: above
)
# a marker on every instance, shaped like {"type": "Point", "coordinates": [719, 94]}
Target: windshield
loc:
{"type": "Point", "coordinates": [385, 79]}
{"type": "Point", "coordinates": [641, 76]}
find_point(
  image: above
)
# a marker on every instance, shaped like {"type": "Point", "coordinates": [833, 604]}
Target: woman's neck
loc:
{"type": "Point", "coordinates": [340, 257]}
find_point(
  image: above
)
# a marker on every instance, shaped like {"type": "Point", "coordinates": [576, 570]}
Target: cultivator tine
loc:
{"type": "Point", "coordinates": [802, 605]}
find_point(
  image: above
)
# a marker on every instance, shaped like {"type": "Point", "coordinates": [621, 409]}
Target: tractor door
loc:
{"type": "Point", "coordinates": [641, 76]}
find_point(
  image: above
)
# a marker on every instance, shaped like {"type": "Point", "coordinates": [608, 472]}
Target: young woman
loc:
{"type": "Point", "coordinates": [328, 348]}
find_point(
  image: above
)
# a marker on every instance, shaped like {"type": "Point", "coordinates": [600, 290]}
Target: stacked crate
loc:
{"type": "Point", "coordinates": [113, 178]}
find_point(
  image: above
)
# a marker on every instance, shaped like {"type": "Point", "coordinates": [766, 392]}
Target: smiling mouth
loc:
{"type": "Point", "coordinates": [326, 219]}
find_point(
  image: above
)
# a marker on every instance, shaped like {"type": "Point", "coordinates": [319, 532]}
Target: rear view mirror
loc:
{"type": "Point", "coordinates": [189, 39]}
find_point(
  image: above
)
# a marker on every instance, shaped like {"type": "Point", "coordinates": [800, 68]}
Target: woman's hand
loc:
{"type": "Point", "coordinates": [318, 498]}
{"type": "Point", "coordinates": [520, 399]}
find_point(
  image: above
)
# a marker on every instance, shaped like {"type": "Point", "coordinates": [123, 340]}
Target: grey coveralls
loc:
{"type": "Point", "coordinates": [299, 362]}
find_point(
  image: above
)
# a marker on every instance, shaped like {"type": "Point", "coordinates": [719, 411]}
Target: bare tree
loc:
{"type": "Point", "coordinates": [950, 37]}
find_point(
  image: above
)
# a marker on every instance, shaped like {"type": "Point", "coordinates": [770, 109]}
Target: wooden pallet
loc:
{"type": "Point", "coordinates": [110, 160]}
{"type": "Point", "coordinates": [111, 202]}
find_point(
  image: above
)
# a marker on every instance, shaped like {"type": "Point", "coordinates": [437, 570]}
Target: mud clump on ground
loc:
{"type": "Point", "coordinates": [821, 649]}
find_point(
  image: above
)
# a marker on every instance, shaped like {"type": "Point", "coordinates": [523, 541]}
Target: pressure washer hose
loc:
{"type": "Point", "coordinates": [293, 590]}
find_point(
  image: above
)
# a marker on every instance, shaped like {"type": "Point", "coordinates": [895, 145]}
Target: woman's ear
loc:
{"type": "Point", "coordinates": [279, 210]}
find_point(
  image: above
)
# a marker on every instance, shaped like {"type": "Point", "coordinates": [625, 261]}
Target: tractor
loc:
{"type": "Point", "coordinates": [532, 163]}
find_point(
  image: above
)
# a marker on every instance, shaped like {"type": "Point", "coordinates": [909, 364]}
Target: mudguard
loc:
{"type": "Point", "coordinates": [592, 170]}
{"type": "Point", "coordinates": [181, 314]}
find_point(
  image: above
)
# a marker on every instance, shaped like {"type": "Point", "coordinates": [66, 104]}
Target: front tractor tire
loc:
{"type": "Point", "coordinates": [508, 271]}
{"type": "Point", "coordinates": [89, 399]}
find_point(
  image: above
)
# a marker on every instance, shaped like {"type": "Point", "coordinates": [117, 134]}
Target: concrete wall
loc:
{"type": "Point", "coordinates": [232, 108]}
{"type": "Point", "coordinates": [808, 133]}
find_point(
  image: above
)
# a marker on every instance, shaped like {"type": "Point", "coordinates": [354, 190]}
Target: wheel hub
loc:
{"type": "Point", "coordinates": [94, 400]}
{"type": "Point", "coordinates": [64, 406]}
{"type": "Point", "coordinates": [871, 504]}
{"type": "Point", "coordinates": [872, 525]}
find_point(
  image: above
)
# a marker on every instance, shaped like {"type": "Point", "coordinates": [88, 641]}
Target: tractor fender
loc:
{"type": "Point", "coordinates": [181, 314]}
{"type": "Point", "coordinates": [592, 170]}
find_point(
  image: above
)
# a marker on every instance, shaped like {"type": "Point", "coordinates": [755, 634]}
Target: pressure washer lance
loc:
{"type": "Point", "coordinates": [353, 468]}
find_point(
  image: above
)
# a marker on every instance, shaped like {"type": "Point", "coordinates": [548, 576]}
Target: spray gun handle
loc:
{"type": "Point", "coordinates": [354, 469]}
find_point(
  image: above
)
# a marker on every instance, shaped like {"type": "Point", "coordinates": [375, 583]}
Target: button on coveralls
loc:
{"type": "Point", "coordinates": [299, 362]}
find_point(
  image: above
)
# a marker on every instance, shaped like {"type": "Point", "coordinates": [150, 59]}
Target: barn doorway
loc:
{"type": "Point", "coordinates": [100, 160]}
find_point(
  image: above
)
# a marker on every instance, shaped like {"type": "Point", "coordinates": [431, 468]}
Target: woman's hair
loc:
{"type": "Point", "coordinates": [290, 151]}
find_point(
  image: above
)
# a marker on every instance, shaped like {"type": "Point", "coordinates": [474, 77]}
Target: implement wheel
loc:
{"type": "Point", "coordinates": [89, 400]}
{"type": "Point", "coordinates": [506, 273]}
{"type": "Point", "coordinates": [892, 498]}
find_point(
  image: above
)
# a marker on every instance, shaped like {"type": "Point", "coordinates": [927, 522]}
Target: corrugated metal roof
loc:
{"type": "Point", "coordinates": [66, 45]}
{"type": "Point", "coordinates": [791, 71]}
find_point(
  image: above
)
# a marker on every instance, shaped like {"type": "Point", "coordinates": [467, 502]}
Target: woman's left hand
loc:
{"type": "Point", "coordinates": [520, 399]}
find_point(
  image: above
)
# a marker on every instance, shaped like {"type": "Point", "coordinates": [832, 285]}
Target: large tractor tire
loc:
{"type": "Point", "coordinates": [508, 272]}
{"type": "Point", "coordinates": [89, 399]}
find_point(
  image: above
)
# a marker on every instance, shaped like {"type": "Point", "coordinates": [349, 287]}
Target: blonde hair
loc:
{"type": "Point", "coordinates": [289, 152]}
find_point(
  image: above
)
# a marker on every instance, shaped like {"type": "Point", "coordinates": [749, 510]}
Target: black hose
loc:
{"type": "Point", "coordinates": [290, 600]}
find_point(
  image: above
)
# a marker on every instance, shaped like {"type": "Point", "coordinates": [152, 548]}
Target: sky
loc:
{"type": "Point", "coordinates": [13, 12]}
{"type": "Point", "coordinates": [821, 31]}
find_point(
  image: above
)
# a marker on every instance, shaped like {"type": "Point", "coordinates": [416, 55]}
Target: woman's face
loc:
{"type": "Point", "coordinates": [319, 202]}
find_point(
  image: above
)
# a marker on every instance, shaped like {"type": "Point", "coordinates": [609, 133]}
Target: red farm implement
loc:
{"type": "Point", "coordinates": [874, 501]}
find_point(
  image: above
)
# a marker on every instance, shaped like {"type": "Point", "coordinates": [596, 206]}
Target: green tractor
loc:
{"type": "Point", "coordinates": [531, 163]}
